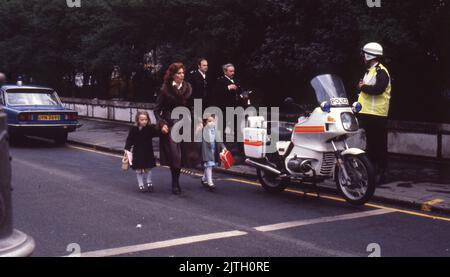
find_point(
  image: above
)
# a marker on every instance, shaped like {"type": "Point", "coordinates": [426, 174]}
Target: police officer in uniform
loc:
{"type": "Point", "coordinates": [375, 94]}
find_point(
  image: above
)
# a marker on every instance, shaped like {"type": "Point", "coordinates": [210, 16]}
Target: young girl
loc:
{"type": "Point", "coordinates": [139, 141]}
{"type": "Point", "coordinates": [210, 150]}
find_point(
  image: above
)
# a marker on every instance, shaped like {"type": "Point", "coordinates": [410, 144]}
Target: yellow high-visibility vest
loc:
{"type": "Point", "coordinates": [375, 104]}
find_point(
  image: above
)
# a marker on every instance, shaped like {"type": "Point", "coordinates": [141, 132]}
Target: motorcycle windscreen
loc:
{"type": "Point", "coordinates": [327, 87]}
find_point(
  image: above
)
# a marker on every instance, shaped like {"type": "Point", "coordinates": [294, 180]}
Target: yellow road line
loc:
{"type": "Point", "coordinates": [288, 190]}
{"type": "Point", "coordinates": [343, 200]}
{"type": "Point", "coordinates": [94, 151]}
{"type": "Point", "coordinates": [295, 191]}
{"type": "Point", "coordinates": [428, 206]}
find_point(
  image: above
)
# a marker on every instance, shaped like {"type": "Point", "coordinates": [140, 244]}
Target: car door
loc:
{"type": "Point", "coordinates": [11, 114]}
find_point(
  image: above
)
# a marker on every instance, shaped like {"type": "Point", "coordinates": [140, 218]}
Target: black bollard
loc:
{"type": "Point", "coordinates": [13, 243]}
{"type": "Point", "coordinates": [5, 183]}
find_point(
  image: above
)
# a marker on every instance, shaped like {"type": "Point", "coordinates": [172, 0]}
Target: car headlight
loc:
{"type": "Point", "coordinates": [349, 122]}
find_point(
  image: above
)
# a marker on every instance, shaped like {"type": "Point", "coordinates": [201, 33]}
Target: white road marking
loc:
{"type": "Point", "coordinates": [162, 244]}
{"type": "Point", "coordinates": [293, 224]}
{"type": "Point", "coordinates": [222, 235]}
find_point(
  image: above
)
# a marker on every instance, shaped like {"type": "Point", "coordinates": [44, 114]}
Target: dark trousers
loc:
{"type": "Point", "coordinates": [376, 139]}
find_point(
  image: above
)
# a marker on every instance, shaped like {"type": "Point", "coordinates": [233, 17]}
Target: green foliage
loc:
{"type": "Point", "coordinates": [276, 44]}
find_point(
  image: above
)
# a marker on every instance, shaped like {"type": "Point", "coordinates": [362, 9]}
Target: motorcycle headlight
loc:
{"type": "Point", "coordinates": [349, 122]}
{"type": "Point", "coordinates": [325, 106]}
{"type": "Point", "coordinates": [357, 107]}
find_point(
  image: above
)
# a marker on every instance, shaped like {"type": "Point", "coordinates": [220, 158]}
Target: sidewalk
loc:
{"type": "Point", "coordinates": [412, 182]}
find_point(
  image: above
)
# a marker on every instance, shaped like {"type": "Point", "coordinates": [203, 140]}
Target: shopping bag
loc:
{"type": "Point", "coordinates": [227, 159]}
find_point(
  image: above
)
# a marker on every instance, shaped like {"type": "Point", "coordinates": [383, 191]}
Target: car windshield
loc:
{"type": "Point", "coordinates": [328, 87]}
{"type": "Point", "coordinates": [32, 98]}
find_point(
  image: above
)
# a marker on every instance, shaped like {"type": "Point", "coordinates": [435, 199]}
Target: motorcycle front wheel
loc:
{"type": "Point", "coordinates": [361, 173]}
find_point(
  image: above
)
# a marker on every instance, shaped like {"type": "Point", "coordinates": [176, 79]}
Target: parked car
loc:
{"type": "Point", "coordinates": [37, 111]}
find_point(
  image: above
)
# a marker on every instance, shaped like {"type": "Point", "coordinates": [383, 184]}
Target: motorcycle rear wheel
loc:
{"type": "Point", "coordinates": [271, 182]}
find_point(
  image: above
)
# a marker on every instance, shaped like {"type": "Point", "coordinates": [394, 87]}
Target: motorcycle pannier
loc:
{"type": "Point", "coordinates": [255, 138]}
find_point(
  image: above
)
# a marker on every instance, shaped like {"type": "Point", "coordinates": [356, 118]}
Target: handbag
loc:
{"type": "Point", "coordinates": [227, 159]}
{"type": "Point", "coordinates": [125, 162]}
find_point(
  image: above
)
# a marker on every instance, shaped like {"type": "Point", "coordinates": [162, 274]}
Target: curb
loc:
{"type": "Point", "coordinates": [381, 199]}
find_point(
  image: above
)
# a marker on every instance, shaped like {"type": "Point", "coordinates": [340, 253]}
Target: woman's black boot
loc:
{"type": "Point", "coordinates": [175, 181]}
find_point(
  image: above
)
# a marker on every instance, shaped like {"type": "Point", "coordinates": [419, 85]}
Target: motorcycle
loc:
{"type": "Point", "coordinates": [315, 149]}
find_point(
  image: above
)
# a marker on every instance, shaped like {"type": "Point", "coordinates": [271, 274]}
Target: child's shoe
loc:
{"type": "Point", "coordinates": [204, 183]}
{"type": "Point", "coordinates": [150, 187]}
{"type": "Point", "coordinates": [211, 186]}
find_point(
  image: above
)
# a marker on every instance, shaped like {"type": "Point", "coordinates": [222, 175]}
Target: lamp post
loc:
{"type": "Point", "coordinates": [13, 243]}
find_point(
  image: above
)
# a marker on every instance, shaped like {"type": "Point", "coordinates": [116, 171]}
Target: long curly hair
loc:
{"type": "Point", "coordinates": [171, 71]}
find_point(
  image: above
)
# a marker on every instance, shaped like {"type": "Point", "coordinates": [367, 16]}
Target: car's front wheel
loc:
{"type": "Point", "coordinates": [61, 138]}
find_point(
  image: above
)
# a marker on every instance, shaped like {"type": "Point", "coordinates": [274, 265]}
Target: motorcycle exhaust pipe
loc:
{"type": "Point", "coordinates": [262, 166]}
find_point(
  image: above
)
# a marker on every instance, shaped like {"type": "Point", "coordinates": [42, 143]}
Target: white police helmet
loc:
{"type": "Point", "coordinates": [372, 51]}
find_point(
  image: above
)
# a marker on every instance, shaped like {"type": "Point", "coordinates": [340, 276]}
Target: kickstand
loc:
{"type": "Point", "coordinates": [312, 187]}
{"type": "Point", "coordinates": [315, 184]}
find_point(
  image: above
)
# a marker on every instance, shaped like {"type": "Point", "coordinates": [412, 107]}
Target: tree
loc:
{"type": "Point", "coordinates": [277, 45]}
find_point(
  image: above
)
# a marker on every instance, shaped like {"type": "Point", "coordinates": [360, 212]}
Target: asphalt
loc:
{"type": "Point", "coordinates": [422, 184]}
{"type": "Point", "coordinates": [70, 194]}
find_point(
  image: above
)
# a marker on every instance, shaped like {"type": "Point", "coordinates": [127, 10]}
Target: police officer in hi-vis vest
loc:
{"type": "Point", "coordinates": [375, 94]}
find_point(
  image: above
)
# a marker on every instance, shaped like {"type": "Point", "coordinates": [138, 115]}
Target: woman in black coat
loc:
{"type": "Point", "coordinates": [175, 92]}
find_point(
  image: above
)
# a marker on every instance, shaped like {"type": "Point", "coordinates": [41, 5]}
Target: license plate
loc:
{"type": "Point", "coordinates": [339, 102]}
{"type": "Point", "coordinates": [49, 117]}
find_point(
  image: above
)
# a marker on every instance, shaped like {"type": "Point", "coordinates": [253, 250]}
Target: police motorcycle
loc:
{"type": "Point", "coordinates": [315, 149]}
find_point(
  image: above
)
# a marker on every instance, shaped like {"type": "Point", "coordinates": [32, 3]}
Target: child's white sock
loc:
{"type": "Point", "coordinates": [149, 177]}
{"type": "Point", "coordinates": [140, 178]}
{"type": "Point", "coordinates": [204, 178]}
{"type": "Point", "coordinates": [208, 173]}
